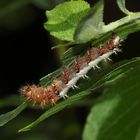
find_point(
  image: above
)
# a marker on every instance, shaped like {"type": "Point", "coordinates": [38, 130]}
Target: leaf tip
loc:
{"type": "Point", "coordinates": [23, 130]}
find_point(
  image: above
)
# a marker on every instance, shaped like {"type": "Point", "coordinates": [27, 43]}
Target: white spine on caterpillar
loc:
{"type": "Point", "coordinates": [117, 41]}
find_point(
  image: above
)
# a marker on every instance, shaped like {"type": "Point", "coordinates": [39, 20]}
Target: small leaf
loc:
{"type": "Point", "coordinates": [117, 112]}
{"type": "Point", "coordinates": [91, 25]}
{"type": "Point", "coordinates": [5, 118]}
{"type": "Point", "coordinates": [121, 4]}
{"type": "Point", "coordinates": [63, 19]}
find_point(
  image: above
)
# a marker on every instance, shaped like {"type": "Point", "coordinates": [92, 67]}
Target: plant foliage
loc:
{"type": "Point", "coordinates": [116, 112]}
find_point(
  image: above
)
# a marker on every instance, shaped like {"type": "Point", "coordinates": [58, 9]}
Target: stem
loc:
{"type": "Point", "coordinates": [130, 18]}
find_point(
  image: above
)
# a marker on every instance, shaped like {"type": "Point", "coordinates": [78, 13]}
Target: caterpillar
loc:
{"type": "Point", "coordinates": [69, 77]}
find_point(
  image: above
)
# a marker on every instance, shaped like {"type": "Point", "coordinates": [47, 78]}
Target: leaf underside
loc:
{"type": "Point", "coordinates": [91, 25]}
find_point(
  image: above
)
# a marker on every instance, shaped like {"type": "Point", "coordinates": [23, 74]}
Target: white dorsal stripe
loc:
{"type": "Point", "coordinates": [84, 71]}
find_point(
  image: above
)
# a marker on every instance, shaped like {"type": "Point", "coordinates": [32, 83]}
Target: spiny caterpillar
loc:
{"type": "Point", "coordinates": [69, 77]}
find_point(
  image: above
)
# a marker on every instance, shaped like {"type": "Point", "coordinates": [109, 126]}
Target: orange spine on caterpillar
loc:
{"type": "Point", "coordinates": [38, 94]}
{"type": "Point", "coordinates": [69, 77]}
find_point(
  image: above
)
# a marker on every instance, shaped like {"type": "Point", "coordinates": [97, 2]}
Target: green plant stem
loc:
{"type": "Point", "coordinates": [128, 19]}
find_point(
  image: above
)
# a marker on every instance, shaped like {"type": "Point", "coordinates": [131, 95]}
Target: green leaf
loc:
{"type": "Point", "coordinates": [85, 33]}
{"type": "Point", "coordinates": [121, 4]}
{"type": "Point", "coordinates": [63, 19]}
{"type": "Point", "coordinates": [5, 118]}
{"type": "Point", "coordinates": [116, 114]}
{"type": "Point", "coordinates": [91, 26]}
{"type": "Point", "coordinates": [86, 88]}
{"type": "Point", "coordinates": [55, 109]}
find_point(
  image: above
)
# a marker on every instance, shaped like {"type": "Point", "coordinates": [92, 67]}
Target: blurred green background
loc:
{"type": "Point", "coordinates": [26, 56]}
